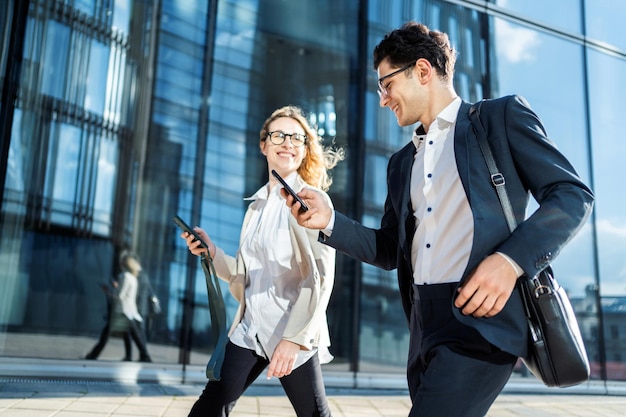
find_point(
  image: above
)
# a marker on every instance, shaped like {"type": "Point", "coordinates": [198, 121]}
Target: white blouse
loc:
{"type": "Point", "coordinates": [273, 281]}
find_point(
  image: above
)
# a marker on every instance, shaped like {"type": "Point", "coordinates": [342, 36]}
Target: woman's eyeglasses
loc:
{"type": "Point", "coordinates": [278, 138]}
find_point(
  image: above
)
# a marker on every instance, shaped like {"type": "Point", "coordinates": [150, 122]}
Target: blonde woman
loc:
{"type": "Point", "coordinates": [281, 276]}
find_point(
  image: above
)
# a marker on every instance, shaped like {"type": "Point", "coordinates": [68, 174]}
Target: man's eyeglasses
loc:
{"type": "Point", "coordinates": [278, 138]}
{"type": "Point", "coordinates": [382, 89]}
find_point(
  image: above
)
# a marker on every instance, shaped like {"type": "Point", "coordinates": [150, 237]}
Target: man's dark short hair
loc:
{"type": "Point", "coordinates": [413, 41]}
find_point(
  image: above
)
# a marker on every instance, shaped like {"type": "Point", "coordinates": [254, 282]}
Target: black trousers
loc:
{"type": "Point", "coordinates": [137, 335]}
{"type": "Point", "coordinates": [452, 370]}
{"type": "Point", "coordinates": [241, 367]}
{"type": "Point", "coordinates": [104, 334]}
{"type": "Point", "coordinates": [134, 333]}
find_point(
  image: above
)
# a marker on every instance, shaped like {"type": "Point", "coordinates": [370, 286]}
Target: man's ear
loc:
{"type": "Point", "coordinates": [424, 70]}
{"type": "Point", "coordinates": [262, 145]}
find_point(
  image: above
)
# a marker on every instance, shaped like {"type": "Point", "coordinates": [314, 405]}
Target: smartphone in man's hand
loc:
{"type": "Point", "coordinates": [185, 228]}
{"type": "Point", "coordinates": [303, 206]}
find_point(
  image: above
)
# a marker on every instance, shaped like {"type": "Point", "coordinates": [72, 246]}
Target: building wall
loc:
{"type": "Point", "coordinates": [116, 115]}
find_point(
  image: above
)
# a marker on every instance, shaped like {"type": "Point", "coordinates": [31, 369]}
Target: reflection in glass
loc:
{"type": "Point", "coordinates": [62, 176]}
{"type": "Point", "coordinates": [604, 22]}
{"type": "Point", "coordinates": [607, 131]}
{"type": "Point", "coordinates": [115, 93]}
{"type": "Point", "coordinates": [55, 47]}
{"type": "Point", "coordinates": [85, 6]}
{"type": "Point", "coordinates": [121, 15]}
{"type": "Point", "coordinates": [17, 154]}
{"type": "Point", "coordinates": [106, 176]}
{"type": "Point", "coordinates": [563, 14]}
{"type": "Point", "coordinates": [530, 63]}
{"type": "Point", "coordinates": [96, 77]}
{"type": "Point", "coordinates": [113, 132]}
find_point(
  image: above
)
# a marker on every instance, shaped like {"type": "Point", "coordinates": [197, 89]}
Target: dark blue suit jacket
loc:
{"type": "Point", "coordinates": [531, 163]}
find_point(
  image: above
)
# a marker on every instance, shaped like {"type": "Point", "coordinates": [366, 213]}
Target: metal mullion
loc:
{"type": "Point", "coordinates": [74, 97]}
{"type": "Point", "coordinates": [79, 184]}
{"type": "Point", "coordinates": [90, 174]}
{"type": "Point", "coordinates": [116, 86]}
{"type": "Point", "coordinates": [42, 110]}
{"type": "Point", "coordinates": [80, 51]}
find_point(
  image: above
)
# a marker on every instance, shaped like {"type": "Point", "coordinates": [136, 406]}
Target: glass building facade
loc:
{"type": "Point", "coordinates": [116, 115]}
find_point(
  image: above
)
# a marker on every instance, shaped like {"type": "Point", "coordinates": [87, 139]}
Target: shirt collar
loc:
{"type": "Point", "coordinates": [450, 112]}
{"type": "Point", "coordinates": [260, 194]}
{"type": "Point", "coordinates": [446, 117]}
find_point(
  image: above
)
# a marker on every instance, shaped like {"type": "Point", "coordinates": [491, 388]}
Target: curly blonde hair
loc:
{"type": "Point", "coordinates": [318, 159]}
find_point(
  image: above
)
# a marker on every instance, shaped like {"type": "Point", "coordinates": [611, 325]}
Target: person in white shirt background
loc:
{"type": "Point", "coordinates": [123, 317]}
{"type": "Point", "coordinates": [129, 284]}
{"type": "Point", "coordinates": [281, 276]}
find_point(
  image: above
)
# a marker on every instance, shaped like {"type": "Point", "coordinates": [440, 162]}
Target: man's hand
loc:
{"type": "Point", "coordinates": [488, 288]}
{"type": "Point", "coordinates": [283, 359]}
{"type": "Point", "coordinates": [319, 213]}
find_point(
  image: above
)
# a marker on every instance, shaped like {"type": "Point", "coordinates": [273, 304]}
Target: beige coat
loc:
{"type": "Point", "coordinates": [307, 325]}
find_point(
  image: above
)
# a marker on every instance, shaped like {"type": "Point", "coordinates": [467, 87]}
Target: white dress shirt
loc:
{"type": "Point", "coordinates": [273, 276]}
{"type": "Point", "coordinates": [443, 218]}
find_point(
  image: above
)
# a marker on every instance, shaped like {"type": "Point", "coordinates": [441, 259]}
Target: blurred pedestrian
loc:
{"type": "Point", "coordinates": [149, 307]}
{"type": "Point", "coordinates": [124, 318]}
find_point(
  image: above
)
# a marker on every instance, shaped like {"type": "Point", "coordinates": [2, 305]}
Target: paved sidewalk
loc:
{"type": "Point", "coordinates": [77, 398]}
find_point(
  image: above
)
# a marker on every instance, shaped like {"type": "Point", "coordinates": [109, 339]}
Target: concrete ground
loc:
{"type": "Point", "coordinates": [31, 397]}
{"type": "Point", "coordinates": [69, 386]}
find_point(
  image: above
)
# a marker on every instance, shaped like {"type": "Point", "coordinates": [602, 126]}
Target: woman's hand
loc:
{"type": "Point", "coordinates": [283, 359]}
{"type": "Point", "coordinates": [194, 245]}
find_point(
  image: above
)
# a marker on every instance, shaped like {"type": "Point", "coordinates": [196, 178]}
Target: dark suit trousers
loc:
{"type": "Point", "coordinates": [452, 370]}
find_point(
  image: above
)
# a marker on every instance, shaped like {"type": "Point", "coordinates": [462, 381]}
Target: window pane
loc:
{"type": "Point", "coordinates": [121, 15]}
{"type": "Point", "coordinates": [62, 176]}
{"type": "Point", "coordinates": [605, 22]}
{"type": "Point", "coordinates": [531, 63]}
{"type": "Point", "coordinates": [85, 6]}
{"type": "Point", "coordinates": [17, 154]}
{"type": "Point", "coordinates": [105, 186]}
{"type": "Point", "coordinates": [55, 58]}
{"type": "Point", "coordinates": [564, 14]}
{"type": "Point", "coordinates": [95, 84]}
{"type": "Point", "coordinates": [607, 129]}
{"type": "Point", "coordinates": [115, 93]}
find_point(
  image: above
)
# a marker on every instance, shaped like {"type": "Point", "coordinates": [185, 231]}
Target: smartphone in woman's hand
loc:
{"type": "Point", "coordinates": [185, 228]}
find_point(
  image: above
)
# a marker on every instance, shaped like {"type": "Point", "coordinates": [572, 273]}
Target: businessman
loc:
{"type": "Point", "coordinates": [443, 228]}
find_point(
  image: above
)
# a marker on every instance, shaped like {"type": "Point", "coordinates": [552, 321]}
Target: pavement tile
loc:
{"type": "Point", "coordinates": [92, 405]}
{"type": "Point", "coordinates": [42, 404]}
{"type": "Point", "coordinates": [26, 413]}
{"type": "Point", "coordinates": [9, 402]}
{"type": "Point", "coordinates": [35, 398]}
{"type": "Point", "coordinates": [173, 411]}
{"type": "Point", "coordinates": [144, 408]}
